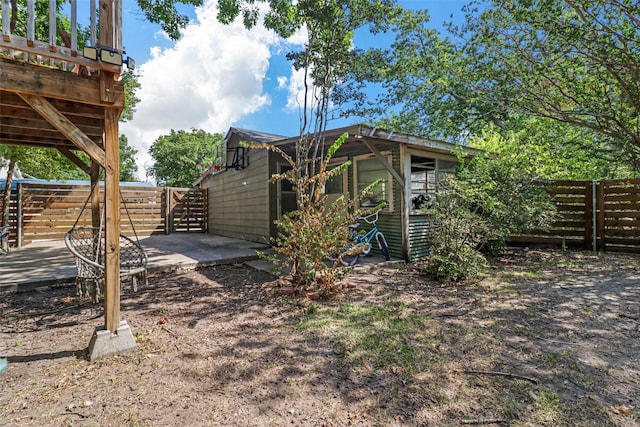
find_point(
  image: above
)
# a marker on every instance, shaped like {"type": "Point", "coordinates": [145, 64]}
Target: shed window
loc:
{"type": "Point", "coordinates": [426, 173]}
{"type": "Point", "coordinates": [368, 170]}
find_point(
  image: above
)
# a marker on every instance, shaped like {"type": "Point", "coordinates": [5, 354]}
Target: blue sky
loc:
{"type": "Point", "coordinates": [217, 76]}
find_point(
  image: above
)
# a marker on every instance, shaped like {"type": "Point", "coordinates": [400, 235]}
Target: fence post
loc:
{"type": "Point", "coordinates": [19, 213]}
{"type": "Point", "coordinates": [599, 207]}
{"type": "Point", "coordinates": [589, 214]}
{"type": "Point", "coordinates": [167, 210]}
{"type": "Point", "coordinates": [205, 207]}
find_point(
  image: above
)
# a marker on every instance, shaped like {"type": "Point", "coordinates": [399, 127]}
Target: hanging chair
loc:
{"type": "Point", "coordinates": [87, 245]}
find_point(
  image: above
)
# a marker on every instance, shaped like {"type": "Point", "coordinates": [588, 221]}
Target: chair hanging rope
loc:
{"type": "Point", "coordinates": [87, 244]}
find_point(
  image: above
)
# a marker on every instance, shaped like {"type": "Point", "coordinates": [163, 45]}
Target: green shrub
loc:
{"type": "Point", "coordinates": [478, 210]}
{"type": "Point", "coordinates": [454, 265]}
{"type": "Point", "coordinates": [308, 235]}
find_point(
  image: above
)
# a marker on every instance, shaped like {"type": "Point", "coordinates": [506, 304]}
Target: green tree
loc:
{"type": "Point", "coordinates": [128, 167]}
{"type": "Point", "coordinates": [181, 156]}
{"type": "Point", "coordinates": [572, 62]}
{"type": "Point", "coordinates": [575, 62]}
{"type": "Point", "coordinates": [131, 85]}
{"type": "Point", "coordinates": [165, 13]}
{"type": "Point", "coordinates": [421, 83]}
{"type": "Point", "coordinates": [553, 150]}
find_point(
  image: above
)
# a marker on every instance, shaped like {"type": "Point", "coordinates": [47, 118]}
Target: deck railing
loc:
{"type": "Point", "coordinates": [24, 47]}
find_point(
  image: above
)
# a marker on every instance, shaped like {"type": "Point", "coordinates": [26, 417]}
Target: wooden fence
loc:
{"type": "Point", "coordinates": [597, 215]}
{"type": "Point", "coordinates": [48, 211]}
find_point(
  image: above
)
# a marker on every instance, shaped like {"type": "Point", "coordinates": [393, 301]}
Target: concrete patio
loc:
{"type": "Point", "coordinates": [49, 262]}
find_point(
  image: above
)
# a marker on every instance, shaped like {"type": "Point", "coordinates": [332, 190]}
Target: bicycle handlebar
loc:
{"type": "Point", "coordinates": [366, 218]}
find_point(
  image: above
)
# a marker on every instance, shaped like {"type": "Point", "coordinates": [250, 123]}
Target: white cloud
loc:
{"type": "Point", "coordinates": [209, 79]}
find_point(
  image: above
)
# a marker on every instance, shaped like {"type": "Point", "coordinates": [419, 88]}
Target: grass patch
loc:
{"type": "Point", "coordinates": [388, 336]}
{"type": "Point", "coordinates": [549, 409]}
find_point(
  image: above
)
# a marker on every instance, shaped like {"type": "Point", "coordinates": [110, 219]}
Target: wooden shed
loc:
{"type": "Point", "coordinates": [243, 204]}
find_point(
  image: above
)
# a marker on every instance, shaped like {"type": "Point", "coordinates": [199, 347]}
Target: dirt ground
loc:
{"type": "Point", "coordinates": [545, 338]}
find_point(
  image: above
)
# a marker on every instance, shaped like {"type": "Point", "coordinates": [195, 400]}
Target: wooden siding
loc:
{"type": "Point", "coordinates": [48, 211]}
{"type": "Point", "coordinates": [238, 200]}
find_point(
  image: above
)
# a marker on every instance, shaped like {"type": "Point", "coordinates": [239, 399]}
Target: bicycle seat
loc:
{"type": "Point", "coordinates": [356, 225]}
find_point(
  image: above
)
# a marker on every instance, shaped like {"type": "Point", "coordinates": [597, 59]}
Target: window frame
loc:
{"type": "Point", "coordinates": [389, 179]}
{"type": "Point", "coordinates": [438, 172]}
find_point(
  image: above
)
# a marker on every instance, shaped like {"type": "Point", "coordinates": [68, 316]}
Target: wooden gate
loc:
{"type": "Point", "coordinates": [186, 210]}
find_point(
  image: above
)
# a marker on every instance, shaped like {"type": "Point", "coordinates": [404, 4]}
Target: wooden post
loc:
{"type": "Point", "coordinates": [405, 205]}
{"type": "Point", "coordinates": [110, 29]}
{"type": "Point", "coordinates": [167, 210]}
{"type": "Point", "coordinates": [600, 228]}
{"type": "Point", "coordinates": [588, 214]}
{"type": "Point", "coordinates": [112, 222]}
{"type": "Point", "coordinates": [20, 213]}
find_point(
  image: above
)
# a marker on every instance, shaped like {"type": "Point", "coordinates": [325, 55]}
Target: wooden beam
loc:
{"type": "Point", "coordinates": [23, 77]}
{"type": "Point", "coordinates": [60, 54]}
{"type": "Point", "coordinates": [383, 160]}
{"type": "Point", "coordinates": [75, 159]}
{"type": "Point", "coordinates": [111, 180]}
{"type": "Point", "coordinates": [66, 127]}
{"type": "Point", "coordinates": [405, 205]}
{"type": "Point", "coordinates": [112, 222]}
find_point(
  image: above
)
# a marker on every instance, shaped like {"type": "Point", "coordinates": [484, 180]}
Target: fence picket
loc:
{"type": "Point", "coordinates": [48, 211]}
{"type": "Point", "coordinates": [606, 211]}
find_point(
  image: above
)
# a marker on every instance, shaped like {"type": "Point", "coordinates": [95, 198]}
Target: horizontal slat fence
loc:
{"type": "Point", "coordinates": [48, 211]}
{"type": "Point", "coordinates": [601, 215]}
{"type": "Point", "coordinates": [619, 215]}
{"type": "Point", "coordinates": [573, 200]}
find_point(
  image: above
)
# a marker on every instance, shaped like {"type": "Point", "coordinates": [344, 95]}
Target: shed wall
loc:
{"type": "Point", "coordinates": [238, 200]}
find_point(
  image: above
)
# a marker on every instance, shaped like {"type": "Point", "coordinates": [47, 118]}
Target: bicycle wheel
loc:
{"type": "Point", "coordinates": [349, 260]}
{"type": "Point", "coordinates": [366, 248]}
{"type": "Point", "coordinates": [382, 242]}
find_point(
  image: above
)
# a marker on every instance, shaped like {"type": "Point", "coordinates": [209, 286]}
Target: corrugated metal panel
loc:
{"type": "Point", "coordinates": [421, 230]}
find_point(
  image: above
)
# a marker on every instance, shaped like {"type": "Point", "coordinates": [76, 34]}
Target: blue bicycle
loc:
{"type": "Point", "coordinates": [361, 242]}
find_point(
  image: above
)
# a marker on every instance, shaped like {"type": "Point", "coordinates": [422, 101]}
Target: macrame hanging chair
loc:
{"type": "Point", "coordinates": [87, 244]}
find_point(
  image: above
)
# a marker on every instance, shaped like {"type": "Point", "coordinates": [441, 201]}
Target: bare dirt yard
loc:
{"type": "Point", "coordinates": [546, 338]}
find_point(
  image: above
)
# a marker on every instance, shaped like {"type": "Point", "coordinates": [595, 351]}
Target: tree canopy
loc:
{"type": "Point", "coordinates": [571, 62]}
{"type": "Point", "coordinates": [181, 156]}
